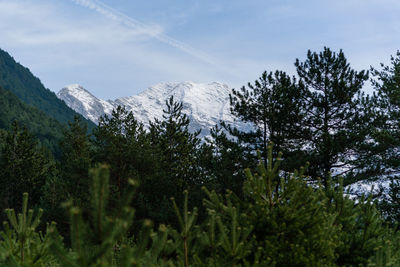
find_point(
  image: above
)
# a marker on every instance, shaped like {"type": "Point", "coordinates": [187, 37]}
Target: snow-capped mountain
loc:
{"type": "Point", "coordinates": [204, 104]}
{"type": "Point", "coordinates": [83, 102]}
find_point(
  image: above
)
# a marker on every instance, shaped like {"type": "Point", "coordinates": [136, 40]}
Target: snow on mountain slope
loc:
{"type": "Point", "coordinates": [83, 102]}
{"type": "Point", "coordinates": [204, 104]}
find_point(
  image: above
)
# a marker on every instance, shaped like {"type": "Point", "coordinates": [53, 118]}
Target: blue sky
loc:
{"type": "Point", "coordinates": [120, 47]}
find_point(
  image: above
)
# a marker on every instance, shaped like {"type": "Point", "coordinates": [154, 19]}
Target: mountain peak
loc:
{"type": "Point", "coordinates": [83, 102]}
{"type": "Point", "coordinates": [75, 88]}
{"type": "Point", "coordinates": [206, 104]}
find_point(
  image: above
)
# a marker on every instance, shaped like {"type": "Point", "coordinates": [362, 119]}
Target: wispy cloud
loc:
{"type": "Point", "coordinates": [62, 47]}
{"type": "Point", "coordinates": [128, 21]}
{"type": "Point", "coordinates": [114, 54]}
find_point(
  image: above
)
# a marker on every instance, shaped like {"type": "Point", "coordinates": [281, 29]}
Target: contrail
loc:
{"type": "Point", "coordinates": [120, 17]}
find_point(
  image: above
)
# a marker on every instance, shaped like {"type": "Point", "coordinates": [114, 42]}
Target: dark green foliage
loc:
{"type": "Point", "coordinates": [171, 138]}
{"type": "Point", "coordinates": [390, 202]}
{"type": "Point", "coordinates": [281, 222]}
{"type": "Point", "coordinates": [72, 181]}
{"type": "Point", "coordinates": [94, 241]}
{"type": "Point", "coordinates": [120, 141]}
{"type": "Point", "coordinates": [19, 80]}
{"type": "Point", "coordinates": [386, 134]}
{"type": "Point", "coordinates": [43, 127]}
{"type": "Point", "coordinates": [274, 108]}
{"type": "Point", "coordinates": [25, 167]}
{"type": "Point", "coordinates": [75, 161]}
{"type": "Point", "coordinates": [322, 119]}
{"type": "Point", "coordinates": [21, 244]}
{"type": "Point", "coordinates": [334, 118]}
{"type": "Point", "coordinates": [186, 221]}
{"type": "Point", "coordinates": [225, 162]}
{"type": "Point", "coordinates": [176, 151]}
{"type": "Point", "coordinates": [387, 254]}
{"type": "Point", "coordinates": [361, 226]}
{"type": "Point", "coordinates": [102, 239]}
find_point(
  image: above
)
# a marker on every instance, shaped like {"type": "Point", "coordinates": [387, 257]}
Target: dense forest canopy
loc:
{"type": "Point", "coordinates": [47, 129]}
{"type": "Point", "coordinates": [126, 196]}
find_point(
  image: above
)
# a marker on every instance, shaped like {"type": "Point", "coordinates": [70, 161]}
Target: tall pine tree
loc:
{"type": "Point", "coordinates": [387, 97]}
{"type": "Point", "coordinates": [226, 161]}
{"type": "Point", "coordinates": [387, 134]}
{"type": "Point", "coordinates": [334, 117]}
{"type": "Point", "coordinates": [120, 141]}
{"type": "Point", "coordinates": [76, 159]}
{"type": "Point", "coordinates": [272, 105]}
{"type": "Point", "coordinates": [177, 145]}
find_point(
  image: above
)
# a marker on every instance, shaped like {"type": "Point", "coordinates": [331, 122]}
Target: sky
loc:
{"type": "Point", "coordinates": [118, 48]}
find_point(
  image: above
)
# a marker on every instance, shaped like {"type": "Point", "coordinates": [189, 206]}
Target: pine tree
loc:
{"type": "Point", "coordinates": [226, 161]}
{"type": "Point", "coordinates": [172, 139]}
{"type": "Point", "coordinates": [25, 167]}
{"type": "Point", "coordinates": [386, 134]}
{"type": "Point", "coordinates": [94, 240]}
{"type": "Point", "coordinates": [273, 107]}
{"type": "Point", "coordinates": [21, 244]}
{"type": "Point", "coordinates": [120, 141]}
{"type": "Point", "coordinates": [334, 117]}
{"type": "Point", "coordinates": [103, 238]}
{"type": "Point", "coordinates": [72, 181]}
{"type": "Point", "coordinates": [361, 225]}
{"type": "Point", "coordinates": [186, 220]}
{"type": "Point", "coordinates": [75, 162]}
{"type": "Point", "coordinates": [387, 86]}
{"type": "Point", "coordinates": [281, 221]}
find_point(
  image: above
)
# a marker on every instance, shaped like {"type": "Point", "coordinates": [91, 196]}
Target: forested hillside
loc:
{"type": "Point", "coordinates": [48, 130]}
{"type": "Point", "coordinates": [19, 80]}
